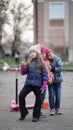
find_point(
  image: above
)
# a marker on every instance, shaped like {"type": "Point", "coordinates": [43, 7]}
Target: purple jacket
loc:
{"type": "Point", "coordinates": [34, 77]}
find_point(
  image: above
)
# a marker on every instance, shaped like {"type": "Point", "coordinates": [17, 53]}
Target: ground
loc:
{"type": "Point", "coordinates": [9, 120]}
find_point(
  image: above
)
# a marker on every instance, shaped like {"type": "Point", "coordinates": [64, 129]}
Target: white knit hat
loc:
{"type": "Point", "coordinates": [35, 48]}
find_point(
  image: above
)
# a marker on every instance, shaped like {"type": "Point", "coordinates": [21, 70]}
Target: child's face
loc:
{"type": "Point", "coordinates": [33, 54]}
{"type": "Point", "coordinates": [43, 55]}
{"type": "Point", "coordinates": [50, 55]}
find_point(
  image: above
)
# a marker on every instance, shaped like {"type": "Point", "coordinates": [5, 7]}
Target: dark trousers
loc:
{"type": "Point", "coordinates": [43, 96]}
{"type": "Point", "coordinates": [37, 106]}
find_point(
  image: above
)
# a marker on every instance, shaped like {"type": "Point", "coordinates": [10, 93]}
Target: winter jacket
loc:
{"type": "Point", "coordinates": [56, 65]}
{"type": "Point", "coordinates": [34, 77]}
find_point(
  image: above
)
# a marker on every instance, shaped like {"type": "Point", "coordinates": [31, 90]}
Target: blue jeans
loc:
{"type": "Point", "coordinates": [54, 95]}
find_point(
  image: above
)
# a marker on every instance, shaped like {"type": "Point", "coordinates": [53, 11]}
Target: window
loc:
{"type": "Point", "coordinates": [56, 10]}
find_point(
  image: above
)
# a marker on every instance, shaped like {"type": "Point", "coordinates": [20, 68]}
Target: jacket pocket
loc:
{"type": "Point", "coordinates": [58, 78]}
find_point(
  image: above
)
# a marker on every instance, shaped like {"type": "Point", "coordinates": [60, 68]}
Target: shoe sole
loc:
{"type": "Point", "coordinates": [35, 120]}
{"type": "Point", "coordinates": [59, 113]}
{"type": "Point", "coordinates": [51, 114]}
{"type": "Point", "coordinates": [42, 116]}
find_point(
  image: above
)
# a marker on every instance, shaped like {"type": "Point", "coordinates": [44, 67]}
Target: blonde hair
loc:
{"type": "Point", "coordinates": [40, 63]}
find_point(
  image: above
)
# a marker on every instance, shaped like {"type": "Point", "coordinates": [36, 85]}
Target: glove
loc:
{"type": "Point", "coordinates": [43, 86]}
{"type": "Point", "coordinates": [22, 69]}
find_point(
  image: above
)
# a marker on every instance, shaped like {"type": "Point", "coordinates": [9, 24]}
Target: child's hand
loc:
{"type": "Point", "coordinates": [23, 63]}
{"type": "Point", "coordinates": [42, 89]}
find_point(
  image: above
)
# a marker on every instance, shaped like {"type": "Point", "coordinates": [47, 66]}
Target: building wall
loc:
{"type": "Point", "coordinates": [70, 58]}
{"type": "Point", "coordinates": [53, 32]}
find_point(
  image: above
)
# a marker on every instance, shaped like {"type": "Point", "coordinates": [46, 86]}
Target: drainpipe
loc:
{"type": "Point", "coordinates": [36, 10]}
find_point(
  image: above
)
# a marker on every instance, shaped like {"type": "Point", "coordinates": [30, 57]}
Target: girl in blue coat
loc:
{"type": "Point", "coordinates": [55, 88]}
{"type": "Point", "coordinates": [36, 81]}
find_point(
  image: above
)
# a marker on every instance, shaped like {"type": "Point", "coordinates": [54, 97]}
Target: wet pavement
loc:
{"type": "Point", "coordinates": [9, 120]}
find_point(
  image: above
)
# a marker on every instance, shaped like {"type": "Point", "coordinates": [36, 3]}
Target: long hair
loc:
{"type": "Point", "coordinates": [40, 62]}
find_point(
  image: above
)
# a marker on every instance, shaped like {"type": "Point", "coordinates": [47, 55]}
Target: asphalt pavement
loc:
{"type": "Point", "coordinates": [9, 120]}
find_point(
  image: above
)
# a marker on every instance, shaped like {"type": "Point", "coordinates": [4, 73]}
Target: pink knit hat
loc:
{"type": "Point", "coordinates": [43, 48]}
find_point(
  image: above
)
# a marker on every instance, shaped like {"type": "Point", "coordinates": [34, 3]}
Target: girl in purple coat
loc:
{"type": "Point", "coordinates": [36, 81]}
